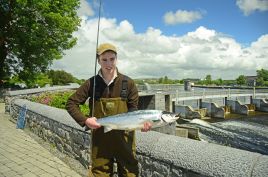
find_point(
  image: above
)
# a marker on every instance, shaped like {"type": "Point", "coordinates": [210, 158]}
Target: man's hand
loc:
{"type": "Point", "coordinates": [91, 123]}
{"type": "Point", "coordinates": [146, 127]}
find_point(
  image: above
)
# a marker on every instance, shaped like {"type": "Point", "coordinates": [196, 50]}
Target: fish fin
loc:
{"type": "Point", "coordinates": [107, 129]}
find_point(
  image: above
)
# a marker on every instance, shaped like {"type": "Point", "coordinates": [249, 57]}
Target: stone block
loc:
{"type": "Point", "coordinates": [182, 132]}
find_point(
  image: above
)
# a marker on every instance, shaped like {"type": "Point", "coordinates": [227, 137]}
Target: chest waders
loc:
{"type": "Point", "coordinates": [115, 144]}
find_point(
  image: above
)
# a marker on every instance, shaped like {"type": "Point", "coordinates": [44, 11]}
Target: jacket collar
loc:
{"type": "Point", "coordinates": [107, 82]}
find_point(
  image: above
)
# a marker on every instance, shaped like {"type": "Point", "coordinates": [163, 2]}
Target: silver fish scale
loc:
{"type": "Point", "coordinates": [135, 117]}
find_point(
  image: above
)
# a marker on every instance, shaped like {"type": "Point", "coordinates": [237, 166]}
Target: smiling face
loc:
{"type": "Point", "coordinates": [107, 61]}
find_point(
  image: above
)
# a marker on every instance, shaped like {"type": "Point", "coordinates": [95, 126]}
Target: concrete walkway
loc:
{"type": "Point", "coordinates": [20, 155]}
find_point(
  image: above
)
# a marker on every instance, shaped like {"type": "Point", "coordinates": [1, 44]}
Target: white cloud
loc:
{"type": "Point", "coordinates": [152, 54]}
{"type": "Point", "coordinates": [249, 6]}
{"type": "Point", "coordinates": [181, 16]}
{"type": "Point", "coordinates": [202, 33]}
{"type": "Point", "coordinates": [85, 9]}
{"type": "Point", "coordinates": [258, 52]}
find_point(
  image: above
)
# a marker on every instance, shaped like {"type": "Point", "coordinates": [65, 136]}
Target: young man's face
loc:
{"type": "Point", "coordinates": [108, 61]}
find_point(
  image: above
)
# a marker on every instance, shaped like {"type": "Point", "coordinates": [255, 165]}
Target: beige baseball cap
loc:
{"type": "Point", "coordinates": [105, 47]}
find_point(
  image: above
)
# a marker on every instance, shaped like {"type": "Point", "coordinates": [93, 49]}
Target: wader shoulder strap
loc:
{"type": "Point", "coordinates": [97, 88]}
{"type": "Point", "coordinates": [123, 94]}
{"type": "Point", "coordinates": [98, 92]}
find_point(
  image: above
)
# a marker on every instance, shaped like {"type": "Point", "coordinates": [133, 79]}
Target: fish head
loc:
{"type": "Point", "coordinates": [169, 117]}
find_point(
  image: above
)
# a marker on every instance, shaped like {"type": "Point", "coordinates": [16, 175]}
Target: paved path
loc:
{"type": "Point", "coordinates": [20, 155]}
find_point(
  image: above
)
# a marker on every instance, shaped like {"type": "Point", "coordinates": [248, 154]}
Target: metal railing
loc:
{"type": "Point", "coordinates": [218, 94]}
{"type": "Point", "coordinates": [178, 93]}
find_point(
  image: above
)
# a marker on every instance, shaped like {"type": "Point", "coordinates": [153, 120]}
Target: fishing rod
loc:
{"type": "Point", "coordinates": [94, 85]}
{"type": "Point", "coordinates": [95, 71]}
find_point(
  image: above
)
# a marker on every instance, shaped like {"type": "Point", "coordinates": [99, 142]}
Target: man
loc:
{"type": "Point", "coordinates": [114, 93]}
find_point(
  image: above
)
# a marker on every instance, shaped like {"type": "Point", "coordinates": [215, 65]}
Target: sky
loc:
{"type": "Point", "coordinates": [174, 38]}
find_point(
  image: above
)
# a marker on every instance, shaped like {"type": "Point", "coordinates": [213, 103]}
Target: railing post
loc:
{"type": "Point", "coordinates": [254, 92]}
{"type": "Point", "coordinates": [199, 103]}
{"type": "Point", "coordinates": [225, 101]}
{"type": "Point", "coordinates": [177, 95]}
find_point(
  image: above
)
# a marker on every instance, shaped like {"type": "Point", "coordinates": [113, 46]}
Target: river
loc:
{"type": "Point", "coordinates": [242, 132]}
{"type": "Point", "coordinates": [238, 131]}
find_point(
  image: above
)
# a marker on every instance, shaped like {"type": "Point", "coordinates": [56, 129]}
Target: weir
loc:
{"type": "Point", "coordinates": [213, 110]}
{"type": "Point", "coordinates": [261, 104]}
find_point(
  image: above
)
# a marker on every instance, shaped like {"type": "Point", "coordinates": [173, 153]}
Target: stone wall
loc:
{"type": "Point", "coordinates": [40, 90]}
{"type": "Point", "coordinates": [171, 156]}
{"type": "Point", "coordinates": [159, 155]}
{"type": "Point", "coordinates": [56, 126]}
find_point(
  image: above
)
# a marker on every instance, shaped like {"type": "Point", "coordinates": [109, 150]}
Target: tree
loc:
{"type": "Point", "coordinates": [262, 74]}
{"type": "Point", "coordinates": [218, 81]}
{"type": "Point", "coordinates": [160, 80]}
{"type": "Point", "coordinates": [61, 77]}
{"type": "Point", "coordinates": [262, 77]}
{"type": "Point", "coordinates": [33, 34]}
{"type": "Point", "coordinates": [165, 80]}
{"type": "Point", "coordinates": [208, 79]}
{"type": "Point", "coordinates": [241, 80]}
{"type": "Point", "coordinates": [41, 80]}
{"type": "Point", "coordinates": [260, 81]}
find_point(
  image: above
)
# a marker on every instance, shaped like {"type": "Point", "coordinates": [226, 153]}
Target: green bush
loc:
{"type": "Point", "coordinates": [58, 100]}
